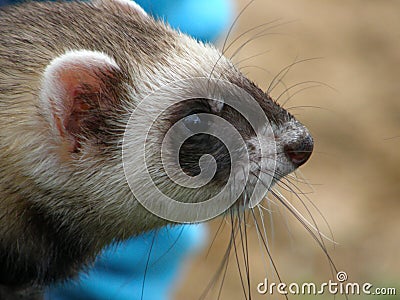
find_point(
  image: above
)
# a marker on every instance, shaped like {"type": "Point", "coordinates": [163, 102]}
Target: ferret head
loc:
{"type": "Point", "coordinates": [119, 85]}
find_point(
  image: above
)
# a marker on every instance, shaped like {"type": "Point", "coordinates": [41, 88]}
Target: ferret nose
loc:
{"type": "Point", "coordinates": [299, 151]}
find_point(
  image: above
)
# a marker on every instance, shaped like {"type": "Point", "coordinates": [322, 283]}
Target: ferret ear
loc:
{"type": "Point", "coordinates": [77, 88]}
{"type": "Point", "coordinates": [124, 5]}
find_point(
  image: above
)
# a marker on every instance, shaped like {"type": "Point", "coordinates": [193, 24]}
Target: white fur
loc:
{"type": "Point", "coordinates": [128, 4]}
{"type": "Point", "coordinates": [133, 5]}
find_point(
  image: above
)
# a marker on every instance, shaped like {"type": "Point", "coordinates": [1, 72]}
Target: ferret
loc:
{"type": "Point", "coordinates": [71, 74]}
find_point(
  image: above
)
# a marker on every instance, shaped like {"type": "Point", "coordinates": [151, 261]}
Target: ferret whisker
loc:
{"type": "Point", "coordinates": [306, 224]}
{"type": "Point", "coordinates": [170, 247]}
{"type": "Point", "coordinates": [255, 67]}
{"type": "Point", "coordinates": [267, 249]}
{"type": "Point", "coordinates": [260, 206]}
{"type": "Point", "coordinates": [220, 227]}
{"type": "Point", "coordinates": [306, 106]}
{"type": "Point", "coordinates": [318, 211]}
{"type": "Point", "coordinates": [284, 214]}
{"type": "Point", "coordinates": [281, 177]}
{"type": "Point", "coordinates": [285, 86]}
{"type": "Point", "coordinates": [237, 63]}
{"type": "Point", "coordinates": [242, 11]}
{"type": "Point", "coordinates": [287, 187]}
{"type": "Point", "coordinates": [225, 267]}
{"type": "Point", "coordinates": [263, 252]}
{"type": "Point", "coordinates": [229, 33]}
{"type": "Point", "coordinates": [280, 76]}
{"type": "Point", "coordinates": [252, 39]}
{"type": "Point", "coordinates": [301, 178]}
{"type": "Point", "coordinates": [261, 213]}
{"type": "Point", "coordinates": [291, 96]}
{"type": "Point", "coordinates": [223, 280]}
{"type": "Point", "coordinates": [287, 177]}
{"type": "Point", "coordinates": [261, 33]}
{"type": "Point", "coordinates": [233, 66]}
{"type": "Point", "coordinates": [288, 183]}
{"type": "Point", "coordinates": [234, 224]}
{"type": "Point", "coordinates": [222, 268]}
{"type": "Point", "coordinates": [245, 249]}
{"type": "Point", "coordinates": [233, 237]}
{"type": "Point", "coordinates": [246, 253]}
{"type": "Point", "coordinates": [318, 238]}
{"type": "Point", "coordinates": [392, 138]}
{"type": "Point", "coordinates": [292, 177]}
{"type": "Point", "coordinates": [292, 181]}
{"type": "Point", "coordinates": [147, 264]}
{"type": "Point", "coordinates": [237, 38]}
{"type": "Point", "coordinates": [264, 232]}
{"type": "Point", "coordinates": [282, 73]}
{"type": "Point", "coordinates": [283, 186]}
{"type": "Point", "coordinates": [314, 82]}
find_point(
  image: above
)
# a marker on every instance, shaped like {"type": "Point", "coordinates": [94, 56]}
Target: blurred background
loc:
{"type": "Point", "coordinates": [354, 172]}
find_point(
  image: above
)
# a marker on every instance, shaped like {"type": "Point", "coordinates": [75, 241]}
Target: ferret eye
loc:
{"type": "Point", "coordinates": [196, 123]}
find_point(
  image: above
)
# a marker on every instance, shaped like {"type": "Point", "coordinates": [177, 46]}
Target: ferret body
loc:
{"type": "Point", "coordinates": [70, 75]}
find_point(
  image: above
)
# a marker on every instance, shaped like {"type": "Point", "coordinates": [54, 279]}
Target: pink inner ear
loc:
{"type": "Point", "coordinates": [84, 91]}
{"type": "Point", "coordinates": [76, 82]}
{"type": "Point", "coordinates": [77, 76]}
{"type": "Point", "coordinates": [78, 87]}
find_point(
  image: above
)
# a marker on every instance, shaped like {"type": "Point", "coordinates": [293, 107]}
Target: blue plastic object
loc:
{"type": "Point", "coordinates": [146, 267]}
{"type": "Point", "coordinates": [203, 19]}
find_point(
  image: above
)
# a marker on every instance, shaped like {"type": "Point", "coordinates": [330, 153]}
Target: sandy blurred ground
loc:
{"type": "Point", "coordinates": [355, 169]}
